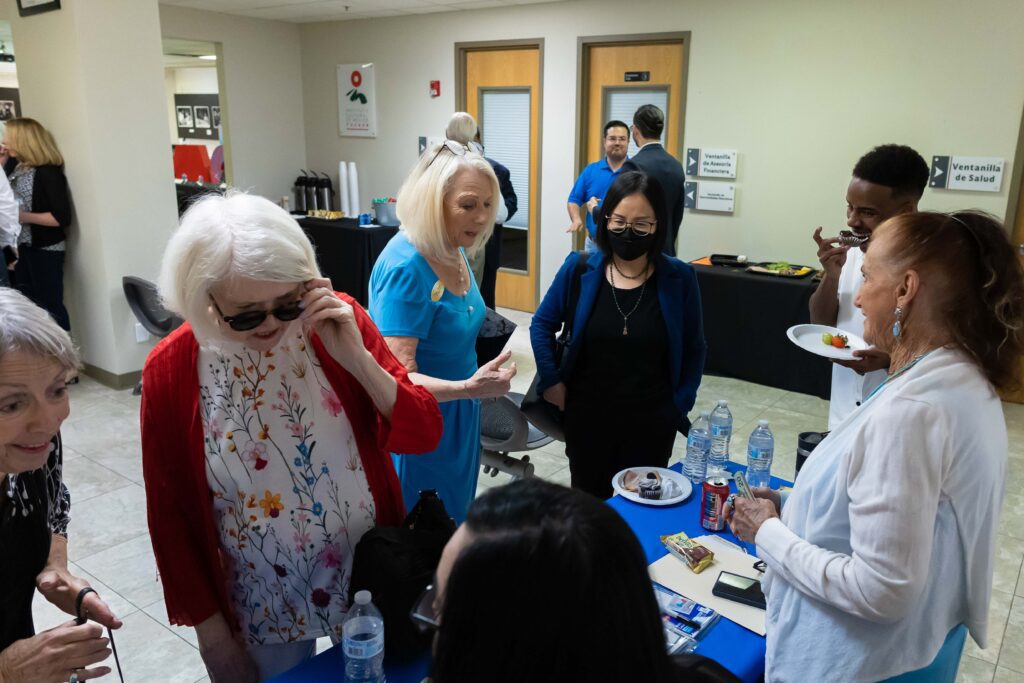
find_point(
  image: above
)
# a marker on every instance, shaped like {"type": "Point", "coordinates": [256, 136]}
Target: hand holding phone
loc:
{"type": "Point", "coordinates": [739, 589]}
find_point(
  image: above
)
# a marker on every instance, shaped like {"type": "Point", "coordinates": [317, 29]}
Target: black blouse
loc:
{"type": "Point", "coordinates": [33, 506]}
{"type": "Point", "coordinates": [631, 367]}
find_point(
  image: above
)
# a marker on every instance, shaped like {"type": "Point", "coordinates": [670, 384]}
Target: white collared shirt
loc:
{"type": "Point", "coordinates": [10, 227]}
{"type": "Point", "coordinates": [888, 538]}
{"type": "Point", "coordinates": [849, 388]}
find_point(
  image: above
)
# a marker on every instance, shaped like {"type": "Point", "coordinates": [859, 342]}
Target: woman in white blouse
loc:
{"type": "Point", "coordinates": [883, 553]}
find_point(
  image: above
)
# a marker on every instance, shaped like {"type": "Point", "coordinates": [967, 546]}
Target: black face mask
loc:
{"type": "Point", "coordinates": [629, 246]}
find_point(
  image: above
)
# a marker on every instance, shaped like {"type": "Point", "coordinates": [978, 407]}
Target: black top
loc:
{"type": "Point", "coordinates": [622, 368]}
{"type": "Point", "coordinates": [33, 506]}
{"type": "Point", "coordinates": [50, 193]}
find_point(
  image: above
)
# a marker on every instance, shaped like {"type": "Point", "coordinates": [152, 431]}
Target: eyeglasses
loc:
{"type": "Point", "coordinates": [456, 148]}
{"type": "Point", "coordinates": [423, 613]}
{"type": "Point", "coordinates": [618, 225]}
{"type": "Point", "coordinates": [250, 320]}
{"type": "Point", "coordinates": [616, 138]}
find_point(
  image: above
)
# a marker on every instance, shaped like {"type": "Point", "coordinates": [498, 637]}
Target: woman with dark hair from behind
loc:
{"type": "Point", "coordinates": [630, 373]}
{"type": "Point", "coordinates": [543, 583]}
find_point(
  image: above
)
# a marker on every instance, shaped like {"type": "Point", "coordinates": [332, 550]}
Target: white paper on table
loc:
{"type": "Point", "coordinates": [353, 188]}
{"type": "Point", "coordinates": [343, 187]}
{"type": "Point", "coordinates": [673, 573]}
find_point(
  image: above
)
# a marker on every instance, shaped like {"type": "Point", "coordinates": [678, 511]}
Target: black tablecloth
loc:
{"type": "Point", "coordinates": [346, 252]}
{"type": "Point", "coordinates": [746, 316]}
{"type": "Point", "coordinates": [189, 192]}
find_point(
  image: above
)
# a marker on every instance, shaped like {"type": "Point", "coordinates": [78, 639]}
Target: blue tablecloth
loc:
{"type": "Point", "coordinates": [739, 650]}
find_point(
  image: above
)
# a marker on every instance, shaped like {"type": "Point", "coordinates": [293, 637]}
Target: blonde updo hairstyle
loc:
{"type": "Point", "coordinates": [421, 201]}
{"type": "Point", "coordinates": [222, 237]}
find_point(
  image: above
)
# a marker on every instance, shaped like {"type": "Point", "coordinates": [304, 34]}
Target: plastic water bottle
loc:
{"type": "Point", "coordinates": [362, 641]}
{"type": "Point", "coordinates": [760, 451]}
{"type": "Point", "coordinates": [698, 445]}
{"type": "Point", "coordinates": [721, 434]}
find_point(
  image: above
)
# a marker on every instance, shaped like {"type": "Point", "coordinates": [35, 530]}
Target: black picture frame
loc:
{"type": "Point", "coordinates": [27, 8]}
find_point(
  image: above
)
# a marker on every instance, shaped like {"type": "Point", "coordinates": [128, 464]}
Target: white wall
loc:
{"type": "Point", "coordinates": [800, 89]}
{"type": "Point", "coordinates": [76, 66]}
{"type": "Point", "coordinates": [189, 81]}
{"type": "Point", "coordinates": [261, 94]}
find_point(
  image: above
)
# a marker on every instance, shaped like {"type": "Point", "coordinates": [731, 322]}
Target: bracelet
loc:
{"type": "Point", "coordinates": [79, 618]}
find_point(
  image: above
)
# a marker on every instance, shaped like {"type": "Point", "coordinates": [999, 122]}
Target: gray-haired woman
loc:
{"type": "Point", "coordinates": [267, 421]}
{"type": "Point", "coordinates": [36, 360]}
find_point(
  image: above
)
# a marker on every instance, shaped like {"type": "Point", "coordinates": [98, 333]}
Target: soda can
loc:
{"type": "Point", "coordinates": [714, 493]}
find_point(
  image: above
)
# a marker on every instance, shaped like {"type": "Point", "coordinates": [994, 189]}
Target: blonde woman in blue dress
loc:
{"type": "Point", "coordinates": [425, 301]}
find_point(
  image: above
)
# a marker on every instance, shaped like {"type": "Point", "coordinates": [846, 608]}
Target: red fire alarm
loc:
{"type": "Point", "coordinates": [435, 88]}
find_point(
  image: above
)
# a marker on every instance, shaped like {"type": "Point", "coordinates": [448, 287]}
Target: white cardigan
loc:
{"type": "Point", "coordinates": [887, 540]}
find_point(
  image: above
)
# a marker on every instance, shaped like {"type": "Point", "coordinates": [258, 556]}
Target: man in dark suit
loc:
{"type": "Point", "coordinates": [492, 252]}
{"type": "Point", "coordinates": [652, 159]}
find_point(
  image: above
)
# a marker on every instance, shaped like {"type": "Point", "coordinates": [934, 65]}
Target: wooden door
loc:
{"type": "Point", "coordinates": [605, 66]}
{"type": "Point", "coordinates": [512, 70]}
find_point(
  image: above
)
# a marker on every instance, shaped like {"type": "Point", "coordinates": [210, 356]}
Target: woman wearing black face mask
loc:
{"type": "Point", "coordinates": [631, 369]}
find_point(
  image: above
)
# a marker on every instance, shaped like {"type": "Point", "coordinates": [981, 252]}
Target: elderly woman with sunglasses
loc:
{"type": "Point", "coordinates": [427, 305]}
{"type": "Point", "coordinates": [36, 360]}
{"type": "Point", "coordinates": [267, 422]}
{"type": "Point", "coordinates": [630, 372]}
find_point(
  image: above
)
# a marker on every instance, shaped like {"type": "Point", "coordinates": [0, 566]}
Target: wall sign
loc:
{"type": "Point", "coordinates": [634, 76]}
{"type": "Point", "coordinates": [982, 174]}
{"type": "Point", "coordinates": [357, 101]}
{"type": "Point", "coordinates": [29, 7]}
{"type": "Point", "coordinates": [711, 163]}
{"type": "Point", "coordinates": [709, 196]}
{"type": "Point", "coordinates": [197, 116]}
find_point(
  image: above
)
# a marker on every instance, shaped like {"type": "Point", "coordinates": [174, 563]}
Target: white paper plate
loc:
{"type": "Point", "coordinates": [808, 338]}
{"type": "Point", "coordinates": [685, 487]}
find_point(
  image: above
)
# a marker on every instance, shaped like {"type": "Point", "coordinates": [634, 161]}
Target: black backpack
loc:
{"type": "Point", "coordinates": [396, 564]}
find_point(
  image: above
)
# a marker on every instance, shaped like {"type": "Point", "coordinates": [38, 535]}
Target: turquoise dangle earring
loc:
{"type": "Point", "coordinates": [897, 327]}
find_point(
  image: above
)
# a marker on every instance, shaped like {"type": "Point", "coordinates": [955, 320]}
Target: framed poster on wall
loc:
{"type": "Point", "coordinates": [194, 115]}
{"type": "Point", "coordinates": [357, 101]}
{"type": "Point", "coordinates": [29, 7]}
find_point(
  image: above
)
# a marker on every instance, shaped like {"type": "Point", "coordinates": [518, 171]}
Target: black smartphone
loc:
{"type": "Point", "coordinates": [739, 589]}
{"type": "Point", "coordinates": [9, 255]}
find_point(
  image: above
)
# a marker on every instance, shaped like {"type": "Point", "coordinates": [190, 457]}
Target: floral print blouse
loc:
{"type": "Point", "coordinates": [289, 493]}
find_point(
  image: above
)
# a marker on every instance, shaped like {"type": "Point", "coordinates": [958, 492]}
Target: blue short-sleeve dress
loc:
{"type": "Point", "coordinates": [401, 305]}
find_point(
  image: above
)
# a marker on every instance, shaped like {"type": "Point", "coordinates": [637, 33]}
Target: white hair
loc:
{"type": "Point", "coordinates": [28, 328]}
{"type": "Point", "coordinates": [420, 206]}
{"type": "Point", "coordinates": [221, 237]}
{"type": "Point", "coordinates": [461, 128]}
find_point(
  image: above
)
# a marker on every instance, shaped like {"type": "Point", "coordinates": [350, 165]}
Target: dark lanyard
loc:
{"type": "Point", "coordinates": [80, 619]}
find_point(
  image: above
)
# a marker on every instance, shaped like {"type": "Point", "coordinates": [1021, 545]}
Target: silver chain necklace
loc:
{"type": "Point", "coordinates": [625, 316]}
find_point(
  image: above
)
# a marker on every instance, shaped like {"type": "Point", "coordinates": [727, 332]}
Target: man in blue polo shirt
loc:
{"type": "Point", "coordinates": [596, 178]}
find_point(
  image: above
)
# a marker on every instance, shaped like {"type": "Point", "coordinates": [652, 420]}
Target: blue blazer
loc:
{"type": "Point", "coordinates": [679, 297]}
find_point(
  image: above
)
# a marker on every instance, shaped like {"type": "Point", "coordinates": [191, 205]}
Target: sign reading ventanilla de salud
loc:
{"type": "Point", "coordinates": [982, 174]}
{"type": "Point", "coordinates": [710, 163]}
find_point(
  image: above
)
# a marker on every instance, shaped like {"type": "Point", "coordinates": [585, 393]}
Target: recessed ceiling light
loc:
{"type": "Point", "coordinates": [209, 58]}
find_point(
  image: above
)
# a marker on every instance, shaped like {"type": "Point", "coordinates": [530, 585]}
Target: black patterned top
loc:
{"type": "Point", "coordinates": [33, 507]}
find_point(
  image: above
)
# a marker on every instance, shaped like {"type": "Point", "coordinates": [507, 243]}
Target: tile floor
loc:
{"type": "Point", "coordinates": [110, 543]}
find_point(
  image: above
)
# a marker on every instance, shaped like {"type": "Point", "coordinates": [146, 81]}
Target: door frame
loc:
{"type": "Point", "coordinates": [461, 50]}
{"type": "Point", "coordinates": [1015, 195]}
{"type": "Point", "coordinates": [583, 43]}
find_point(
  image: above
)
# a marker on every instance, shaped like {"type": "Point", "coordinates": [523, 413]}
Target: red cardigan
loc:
{"type": "Point", "coordinates": [178, 497]}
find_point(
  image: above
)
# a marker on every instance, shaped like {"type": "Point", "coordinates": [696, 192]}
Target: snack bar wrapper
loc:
{"type": "Point", "coordinates": [696, 556]}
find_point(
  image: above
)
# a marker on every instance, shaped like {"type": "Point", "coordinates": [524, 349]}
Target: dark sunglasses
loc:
{"type": "Point", "coordinates": [456, 148]}
{"type": "Point", "coordinates": [423, 614]}
{"type": "Point", "coordinates": [250, 320]}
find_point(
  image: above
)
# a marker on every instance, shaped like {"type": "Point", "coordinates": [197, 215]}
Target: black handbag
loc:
{"type": "Point", "coordinates": [396, 564]}
{"type": "Point", "coordinates": [540, 413]}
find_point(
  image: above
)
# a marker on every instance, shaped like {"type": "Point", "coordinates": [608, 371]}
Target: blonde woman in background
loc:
{"type": "Point", "coordinates": [45, 212]}
{"type": "Point", "coordinates": [427, 305]}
